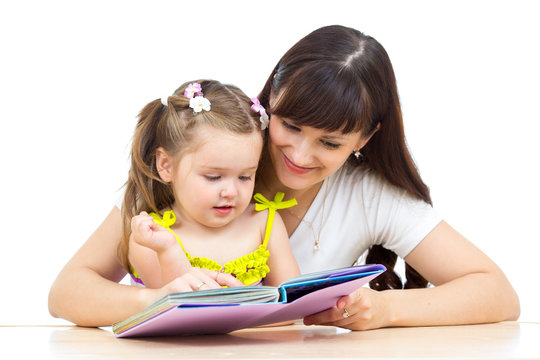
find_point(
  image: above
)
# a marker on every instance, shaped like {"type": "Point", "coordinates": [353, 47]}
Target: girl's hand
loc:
{"type": "Point", "coordinates": [202, 279]}
{"type": "Point", "coordinates": [195, 279]}
{"type": "Point", "coordinates": [364, 309]}
{"type": "Point", "coordinates": [147, 233]}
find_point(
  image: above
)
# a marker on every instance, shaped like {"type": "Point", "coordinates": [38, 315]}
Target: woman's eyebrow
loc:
{"type": "Point", "coordinates": [333, 137]}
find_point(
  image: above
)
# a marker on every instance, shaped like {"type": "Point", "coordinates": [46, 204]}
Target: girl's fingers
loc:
{"type": "Point", "coordinates": [200, 280]}
{"type": "Point", "coordinates": [191, 281]}
{"type": "Point", "coordinates": [177, 285]}
{"type": "Point", "coordinates": [223, 279]}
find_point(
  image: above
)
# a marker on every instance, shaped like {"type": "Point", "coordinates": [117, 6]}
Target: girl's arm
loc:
{"type": "Point", "coordinates": [87, 293]}
{"type": "Point", "coordinates": [154, 252]}
{"type": "Point", "coordinates": [281, 262]}
{"type": "Point", "coordinates": [469, 288]}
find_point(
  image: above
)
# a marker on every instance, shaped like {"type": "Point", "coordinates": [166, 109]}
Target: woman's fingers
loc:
{"type": "Point", "coordinates": [355, 311]}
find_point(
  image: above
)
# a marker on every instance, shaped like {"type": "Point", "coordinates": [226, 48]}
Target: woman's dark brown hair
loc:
{"type": "Point", "coordinates": [339, 79]}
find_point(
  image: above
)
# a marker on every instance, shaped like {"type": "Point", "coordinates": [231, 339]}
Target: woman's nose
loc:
{"type": "Point", "coordinates": [302, 154]}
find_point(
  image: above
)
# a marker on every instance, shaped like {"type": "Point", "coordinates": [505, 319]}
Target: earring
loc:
{"type": "Point", "coordinates": [357, 154]}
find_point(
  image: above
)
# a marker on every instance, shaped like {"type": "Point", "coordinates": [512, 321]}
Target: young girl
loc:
{"type": "Point", "coordinates": [188, 197]}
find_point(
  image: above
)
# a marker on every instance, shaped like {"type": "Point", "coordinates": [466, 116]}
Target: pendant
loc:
{"type": "Point", "coordinates": [316, 246]}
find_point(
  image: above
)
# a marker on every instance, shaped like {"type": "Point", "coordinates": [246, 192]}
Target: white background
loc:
{"type": "Point", "coordinates": [74, 74]}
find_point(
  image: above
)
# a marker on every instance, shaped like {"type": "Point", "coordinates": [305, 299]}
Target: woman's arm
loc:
{"type": "Point", "coordinates": [469, 289]}
{"type": "Point", "coordinates": [86, 290]}
{"type": "Point", "coordinates": [87, 293]}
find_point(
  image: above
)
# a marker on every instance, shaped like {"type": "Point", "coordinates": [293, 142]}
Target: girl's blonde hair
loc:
{"type": "Point", "coordinates": [172, 127]}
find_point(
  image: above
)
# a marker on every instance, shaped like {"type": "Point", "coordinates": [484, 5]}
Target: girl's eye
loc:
{"type": "Point", "coordinates": [245, 178]}
{"type": "Point", "coordinates": [330, 145]}
{"type": "Point", "coordinates": [212, 177]}
{"type": "Point", "coordinates": [289, 126]}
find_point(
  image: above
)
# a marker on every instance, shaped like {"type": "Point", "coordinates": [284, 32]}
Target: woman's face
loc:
{"type": "Point", "coordinates": [304, 156]}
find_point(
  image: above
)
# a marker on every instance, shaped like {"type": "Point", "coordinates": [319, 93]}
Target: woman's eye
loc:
{"type": "Point", "coordinates": [330, 145]}
{"type": "Point", "coordinates": [212, 177]}
{"type": "Point", "coordinates": [289, 126]}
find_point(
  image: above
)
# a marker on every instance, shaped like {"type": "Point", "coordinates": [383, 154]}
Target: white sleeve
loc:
{"type": "Point", "coordinates": [395, 219]}
{"type": "Point", "coordinates": [359, 209]}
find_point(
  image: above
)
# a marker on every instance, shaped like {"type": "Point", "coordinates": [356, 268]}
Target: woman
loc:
{"type": "Point", "coordinates": [336, 144]}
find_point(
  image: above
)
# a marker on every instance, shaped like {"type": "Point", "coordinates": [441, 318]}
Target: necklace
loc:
{"type": "Point", "coordinates": [316, 244]}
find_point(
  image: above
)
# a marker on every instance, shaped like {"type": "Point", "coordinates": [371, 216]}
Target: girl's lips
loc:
{"type": "Point", "coordinates": [295, 169]}
{"type": "Point", "coordinates": [223, 210]}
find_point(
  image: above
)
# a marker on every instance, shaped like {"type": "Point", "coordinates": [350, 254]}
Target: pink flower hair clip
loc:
{"type": "Point", "coordinates": [193, 89]}
{"type": "Point", "coordinates": [199, 102]}
{"type": "Point", "coordinates": [258, 108]}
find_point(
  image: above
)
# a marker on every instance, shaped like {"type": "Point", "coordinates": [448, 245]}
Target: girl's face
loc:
{"type": "Point", "coordinates": [304, 156]}
{"type": "Point", "coordinates": [214, 183]}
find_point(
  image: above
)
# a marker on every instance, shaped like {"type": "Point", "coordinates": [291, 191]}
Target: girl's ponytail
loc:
{"type": "Point", "coordinates": [144, 188]}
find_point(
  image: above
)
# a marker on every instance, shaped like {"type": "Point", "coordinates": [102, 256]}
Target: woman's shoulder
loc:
{"type": "Point", "coordinates": [355, 178]}
{"type": "Point", "coordinates": [368, 186]}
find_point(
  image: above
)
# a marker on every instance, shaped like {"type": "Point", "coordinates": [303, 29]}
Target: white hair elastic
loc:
{"type": "Point", "coordinates": [165, 100]}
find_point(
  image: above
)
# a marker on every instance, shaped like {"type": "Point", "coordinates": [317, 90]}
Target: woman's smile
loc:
{"type": "Point", "coordinates": [299, 170]}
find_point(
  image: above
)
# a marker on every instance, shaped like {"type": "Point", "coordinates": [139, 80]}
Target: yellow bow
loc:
{"type": "Point", "coordinates": [169, 218]}
{"type": "Point", "coordinates": [263, 203]}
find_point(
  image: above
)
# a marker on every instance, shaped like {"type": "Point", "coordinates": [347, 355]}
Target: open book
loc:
{"type": "Point", "coordinates": [228, 309]}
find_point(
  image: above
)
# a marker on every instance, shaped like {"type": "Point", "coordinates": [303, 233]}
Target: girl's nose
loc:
{"type": "Point", "coordinates": [229, 191]}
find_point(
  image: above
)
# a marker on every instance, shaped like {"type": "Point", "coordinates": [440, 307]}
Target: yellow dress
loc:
{"type": "Point", "coordinates": [251, 268]}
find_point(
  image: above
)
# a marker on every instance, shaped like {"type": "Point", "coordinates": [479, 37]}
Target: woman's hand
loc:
{"type": "Point", "coordinates": [147, 233]}
{"type": "Point", "coordinates": [364, 309]}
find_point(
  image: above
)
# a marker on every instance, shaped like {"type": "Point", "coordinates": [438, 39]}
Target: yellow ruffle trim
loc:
{"type": "Point", "coordinates": [250, 268]}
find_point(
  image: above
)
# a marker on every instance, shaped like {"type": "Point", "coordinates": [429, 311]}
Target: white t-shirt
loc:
{"type": "Point", "coordinates": [360, 209]}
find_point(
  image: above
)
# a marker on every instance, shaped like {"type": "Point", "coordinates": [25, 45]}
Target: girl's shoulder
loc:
{"type": "Point", "coordinates": [261, 216]}
{"type": "Point", "coordinates": [251, 215]}
{"type": "Point", "coordinates": [251, 220]}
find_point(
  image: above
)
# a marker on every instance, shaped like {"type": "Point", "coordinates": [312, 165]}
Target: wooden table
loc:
{"type": "Point", "coordinates": [506, 340]}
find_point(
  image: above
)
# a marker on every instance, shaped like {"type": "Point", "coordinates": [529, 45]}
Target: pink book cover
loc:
{"type": "Point", "coordinates": [299, 297]}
